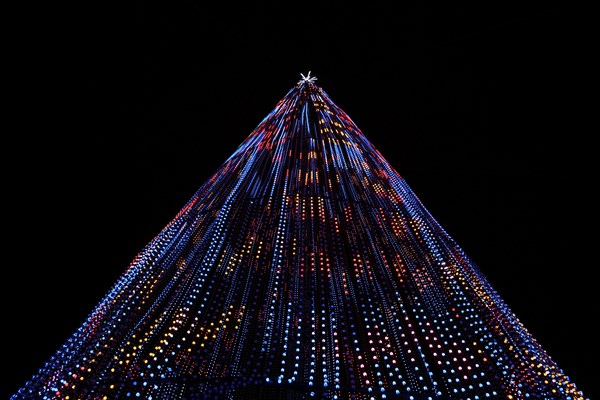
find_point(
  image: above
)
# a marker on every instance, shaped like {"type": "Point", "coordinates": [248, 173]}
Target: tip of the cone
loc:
{"type": "Point", "coordinates": [306, 78]}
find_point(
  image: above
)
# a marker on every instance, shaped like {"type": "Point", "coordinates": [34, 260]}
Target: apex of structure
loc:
{"type": "Point", "coordinates": [307, 79]}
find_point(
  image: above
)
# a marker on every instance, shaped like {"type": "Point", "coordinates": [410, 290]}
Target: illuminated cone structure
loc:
{"type": "Point", "coordinates": [305, 267]}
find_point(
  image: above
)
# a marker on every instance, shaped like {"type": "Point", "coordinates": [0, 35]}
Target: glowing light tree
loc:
{"type": "Point", "coordinates": [305, 267]}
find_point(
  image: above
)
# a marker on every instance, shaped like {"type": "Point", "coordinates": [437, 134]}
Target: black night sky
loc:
{"type": "Point", "coordinates": [122, 112]}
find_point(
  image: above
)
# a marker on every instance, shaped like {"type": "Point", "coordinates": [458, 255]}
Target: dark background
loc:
{"type": "Point", "coordinates": [121, 112]}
